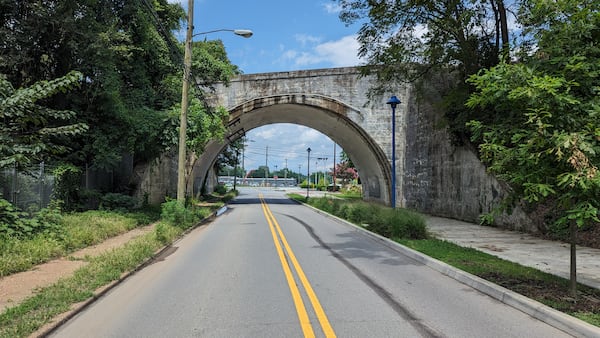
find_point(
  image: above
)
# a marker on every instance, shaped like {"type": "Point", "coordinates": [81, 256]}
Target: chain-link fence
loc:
{"type": "Point", "coordinates": [30, 188]}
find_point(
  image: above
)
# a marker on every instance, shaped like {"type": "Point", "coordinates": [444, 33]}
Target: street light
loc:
{"type": "Point", "coordinates": [308, 172]}
{"type": "Point", "coordinates": [237, 159]}
{"type": "Point", "coordinates": [244, 145]}
{"type": "Point", "coordinates": [187, 66]}
{"type": "Point", "coordinates": [393, 102]}
{"type": "Point", "coordinates": [246, 33]}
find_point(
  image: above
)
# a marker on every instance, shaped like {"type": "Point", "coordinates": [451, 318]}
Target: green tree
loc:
{"type": "Point", "coordinates": [260, 172]}
{"type": "Point", "coordinates": [127, 56]}
{"type": "Point", "coordinates": [546, 139]}
{"type": "Point", "coordinates": [29, 131]}
{"type": "Point", "coordinates": [210, 65]}
{"type": "Point", "coordinates": [229, 157]}
{"type": "Point", "coordinates": [344, 158]}
{"type": "Point", "coordinates": [417, 41]}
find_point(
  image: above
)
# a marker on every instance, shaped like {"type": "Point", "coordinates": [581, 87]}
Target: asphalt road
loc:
{"type": "Point", "coordinates": [271, 268]}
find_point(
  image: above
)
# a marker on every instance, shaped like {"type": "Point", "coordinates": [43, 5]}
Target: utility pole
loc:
{"type": "Point", "coordinates": [324, 159]}
{"type": "Point", "coordinates": [187, 67]}
{"type": "Point", "coordinates": [285, 172]}
{"type": "Point", "coordinates": [334, 169]}
{"type": "Point", "coordinates": [266, 164]}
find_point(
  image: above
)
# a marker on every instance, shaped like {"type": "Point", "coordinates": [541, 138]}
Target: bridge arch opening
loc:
{"type": "Point", "coordinates": [328, 116]}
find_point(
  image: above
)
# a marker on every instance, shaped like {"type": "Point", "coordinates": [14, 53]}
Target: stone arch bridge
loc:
{"type": "Point", "coordinates": [332, 101]}
{"type": "Point", "coordinates": [432, 175]}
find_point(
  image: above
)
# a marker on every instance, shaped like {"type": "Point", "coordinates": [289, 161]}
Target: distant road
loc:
{"type": "Point", "coordinates": [269, 267]}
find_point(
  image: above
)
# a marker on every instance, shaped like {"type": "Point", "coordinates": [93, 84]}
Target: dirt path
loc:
{"type": "Point", "coordinates": [17, 287]}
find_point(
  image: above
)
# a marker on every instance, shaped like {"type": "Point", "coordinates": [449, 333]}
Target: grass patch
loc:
{"type": "Point", "coordinates": [76, 231]}
{"type": "Point", "coordinates": [543, 287]}
{"type": "Point", "coordinates": [350, 195]}
{"type": "Point", "coordinates": [91, 227]}
{"type": "Point", "coordinates": [388, 222]}
{"type": "Point", "coordinates": [24, 319]}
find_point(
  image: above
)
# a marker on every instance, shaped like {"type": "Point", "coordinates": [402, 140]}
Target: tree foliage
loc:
{"type": "Point", "coordinates": [545, 140]}
{"type": "Point", "coordinates": [415, 41]}
{"type": "Point", "coordinates": [345, 170]}
{"type": "Point", "coordinates": [402, 40]}
{"type": "Point", "coordinates": [124, 51]}
{"type": "Point", "coordinates": [29, 131]}
{"type": "Point", "coordinates": [204, 122]}
{"type": "Point", "coordinates": [229, 157]}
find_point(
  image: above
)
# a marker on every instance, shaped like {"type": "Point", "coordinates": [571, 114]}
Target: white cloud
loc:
{"type": "Point", "coordinates": [289, 55]}
{"type": "Point", "coordinates": [266, 133]}
{"type": "Point", "coordinates": [286, 141]}
{"type": "Point", "coordinates": [339, 53]}
{"type": "Point", "coordinates": [310, 135]}
{"type": "Point", "coordinates": [332, 8]}
{"type": "Point", "coordinates": [305, 39]}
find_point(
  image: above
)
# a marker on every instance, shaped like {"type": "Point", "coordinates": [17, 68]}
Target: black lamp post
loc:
{"type": "Point", "coordinates": [237, 157]}
{"type": "Point", "coordinates": [308, 173]}
{"type": "Point", "coordinates": [393, 102]}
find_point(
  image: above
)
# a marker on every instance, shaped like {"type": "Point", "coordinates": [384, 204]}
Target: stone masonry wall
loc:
{"type": "Point", "coordinates": [446, 180]}
{"type": "Point", "coordinates": [433, 176]}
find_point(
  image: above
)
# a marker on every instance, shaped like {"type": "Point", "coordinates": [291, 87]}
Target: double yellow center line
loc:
{"type": "Point", "coordinates": [300, 308]}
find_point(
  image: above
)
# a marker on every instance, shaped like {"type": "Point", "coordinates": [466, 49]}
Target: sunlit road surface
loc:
{"type": "Point", "coordinates": [269, 267]}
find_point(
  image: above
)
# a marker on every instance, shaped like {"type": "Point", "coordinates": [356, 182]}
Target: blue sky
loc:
{"type": "Point", "coordinates": [288, 35]}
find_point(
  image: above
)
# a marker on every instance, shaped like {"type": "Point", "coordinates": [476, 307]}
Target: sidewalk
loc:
{"type": "Point", "coordinates": [548, 256]}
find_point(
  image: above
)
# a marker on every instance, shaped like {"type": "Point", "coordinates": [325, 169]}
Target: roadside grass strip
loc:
{"type": "Point", "coordinates": [543, 287]}
{"type": "Point", "coordinates": [77, 231]}
{"type": "Point", "coordinates": [34, 312]}
{"type": "Point", "coordinates": [81, 230]}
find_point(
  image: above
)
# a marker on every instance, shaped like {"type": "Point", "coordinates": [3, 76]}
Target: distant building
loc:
{"type": "Point", "coordinates": [259, 182]}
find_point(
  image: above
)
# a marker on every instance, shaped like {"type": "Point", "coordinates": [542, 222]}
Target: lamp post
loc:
{"type": "Point", "coordinates": [187, 67]}
{"type": "Point", "coordinates": [246, 33]}
{"type": "Point", "coordinates": [244, 145]}
{"type": "Point", "coordinates": [237, 158]}
{"type": "Point", "coordinates": [393, 102]}
{"type": "Point", "coordinates": [308, 172]}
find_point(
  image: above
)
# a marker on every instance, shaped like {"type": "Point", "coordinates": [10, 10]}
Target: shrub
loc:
{"type": "Point", "coordinates": [391, 223]}
{"type": "Point", "coordinates": [343, 211]}
{"type": "Point", "coordinates": [229, 196]}
{"type": "Point", "coordinates": [175, 213]}
{"type": "Point", "coordinates": [15, 223]}
{"type": "Point", "coordinates": [362, 213]}
{"type": "Point", "coordinates": [162, 233]}
{"type": "Point", "coordinates": [67, 182]}
{"type": "Point", "coordinates": [221, 189]}
{"type": "Point", "coordinates": [117, 202]}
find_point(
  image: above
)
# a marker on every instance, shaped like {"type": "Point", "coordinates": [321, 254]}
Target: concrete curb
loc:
{"type": "Point", "coordinates": [537, 310]}
{"type": "Point", "coordinates": [49, 328]}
